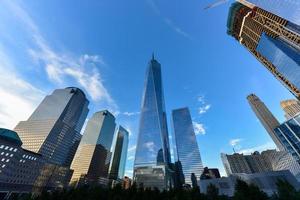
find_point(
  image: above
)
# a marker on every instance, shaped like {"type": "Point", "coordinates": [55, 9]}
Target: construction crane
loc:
{"type": "Point", "coordinates": [215, 4]}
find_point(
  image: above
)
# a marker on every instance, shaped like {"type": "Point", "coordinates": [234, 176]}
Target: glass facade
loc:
{"type": "Point", "coordinates": [117, 168]}
{"type": "Point", "coordinates": [153, 142]}
{"type": "Point", "coordinates": [187, 150]}
{"type": "Point", "coordinates": [92, 159]}
{"type": "Point", "coordinates": [52, 130]}
{"type": "Point", "coordinates": [289, 134]}
{"type": "Point", "coordinates": [287, 9]}
{"type": "Point", "coordinates": [283, 56]}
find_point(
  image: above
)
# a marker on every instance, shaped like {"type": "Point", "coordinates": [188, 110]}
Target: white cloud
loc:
{"type": "Point", "coordinates": [129, 114]}
{"type": "Point", "coordinates": [168, 21]}
{"type": "Point", "coordinates": [176, 28]}
{"type": "Point", "coordinates": [266, 146]}
{"type": "Point", "coordinates": [130, 158]}
{"type": "Point", "coordinates": [199, 128]}
{"type": "Point", "coordinates": [201, 99]}
{"type": "Point", "coordinates": [204, 109]}
{"type": "Point", "coordinates": [18, 97]}
{"type": "Point", "coordinates": [131, 149]}
{"type": "Point", "coordinates": [234, 142]}
{"type": "Point", "coordinates": [150, 146]}
{"type": "Point", "coordinates": [62, 66]}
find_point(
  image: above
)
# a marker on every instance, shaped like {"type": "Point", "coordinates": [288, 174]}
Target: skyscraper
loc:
{"type": "Point", "coordinates": [287, 9]}
{"type": "Point", "coordinates": [93, 156]}
{"type": "Point", "coordinates": [289, 134]}
{"type": "Point", "coordinates": [119, 156]}
{"type": "Point", "coordinates": [53, 127]}
{"type": "Point", "coordinates": [265, 117]}
{"type": "Point", "coordinates": [291, 108]}
{"type": "Point", "coordinates": [270, 37]}
{"type": "Point", "coordinates": [187, 150]}
{"type": "Point", "coordinates": [152, 156]}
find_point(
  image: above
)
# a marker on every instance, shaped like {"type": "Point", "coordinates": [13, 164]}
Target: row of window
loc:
{"type": "Point", "coordinates": [8, 148]}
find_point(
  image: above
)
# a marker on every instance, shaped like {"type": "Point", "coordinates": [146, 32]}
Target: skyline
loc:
{"type": "Point", "coordinates": [202, 98]}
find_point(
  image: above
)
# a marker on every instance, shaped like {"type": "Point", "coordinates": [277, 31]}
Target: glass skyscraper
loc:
{"type": "Point", "coordinates": [289, 134]}
{"type": "Point", "coordinates": [53, 129]}
{"type": "Point", "coordinates": [119, 156]}
{"type": "Point", "coordinates": [270, 30]}
{"type": "Point", "coordinates": [187, 151]}
{"type": "Point", "coordinates": [152, 158]}
{"type": "Point", "coordinates": [92, 159]}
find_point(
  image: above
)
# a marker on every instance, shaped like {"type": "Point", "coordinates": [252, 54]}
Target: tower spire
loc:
{"type": "Point", "coordinates": [152, 55]}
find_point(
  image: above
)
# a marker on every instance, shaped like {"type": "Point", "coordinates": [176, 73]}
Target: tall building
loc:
{"type": "Point", "coordinates": [53, 128]}
{"type": "Point", "coordinates": [269, 160]}
{"type": "Point", "coordinates": [23, 171]}
{"type": "Point", "coordinates": [289, 134]}
{"type": "Point", "coordinates": [265, 117]}
{"type": "Point", "coordinates": [152, 158]}
{"type": "Point", "coordinates": [287, 9]}
{"type": "Point", "coordinates": [187, 151]}
{"type": "Point", "coordinates": [270, 37]}
{"type": "Point", "coordinates": [291, 108]}
{"type": "Point", "coordinates": [92, 159]}
{"type": "Point", "coordinates": [119, 156]}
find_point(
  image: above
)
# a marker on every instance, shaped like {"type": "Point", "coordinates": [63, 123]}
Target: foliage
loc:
{"type": "Point", "coordinates": [243, 191]}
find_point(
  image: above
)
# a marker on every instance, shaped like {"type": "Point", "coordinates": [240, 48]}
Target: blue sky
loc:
{"type": "Point", "coordinates": [104, 46]}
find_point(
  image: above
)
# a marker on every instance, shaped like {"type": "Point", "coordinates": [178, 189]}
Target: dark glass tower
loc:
{"type": "Point", "coordinates": [152, 157]}
{"type": "Point", "coordinates": [187, 154]}
{"type": "Point", "coordinates": [117, 167]}
{"type": "Point", "coordinates": [53, 129]}
{"type": "Point", "coordinates": [92, 159]}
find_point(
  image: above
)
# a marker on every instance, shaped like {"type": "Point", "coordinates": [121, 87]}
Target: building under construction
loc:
{"type": "Point", "coordinates": [272, 39]}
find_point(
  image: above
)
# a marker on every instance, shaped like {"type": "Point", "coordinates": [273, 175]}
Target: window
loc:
{"type": "Point", "coordinates": [2, 146]}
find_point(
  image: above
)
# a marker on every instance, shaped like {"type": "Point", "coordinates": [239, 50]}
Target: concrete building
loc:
{"type": "Point", "coordinates": [291, 108]}
{"type": "Point", "coordinates": [266, 118]}
{"type": "Point", "coordinates": [23, 171]}
{"type": "Point", "coordinates": [269, 160]}
{"type": "Point", "coordinates": [266, 181]}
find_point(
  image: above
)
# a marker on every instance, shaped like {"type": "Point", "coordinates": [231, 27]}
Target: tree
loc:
{"type": "Point", "coordinates": [285, 191]}
{"type": "Point", "coordinates": [212, 192]}
{"type": "Point", "coordinates": [243, 191]}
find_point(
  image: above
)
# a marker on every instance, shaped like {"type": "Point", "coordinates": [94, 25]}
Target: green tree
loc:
{"type": "Point", "coordinates": [212, 192]}
{"type": "Point", "coordinates": [243, 191]}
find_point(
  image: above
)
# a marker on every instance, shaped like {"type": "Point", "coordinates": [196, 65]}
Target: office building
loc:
{"type": "Point", "coordinates": [152, 158]}
{"type": "Point", "coordinates": [269, 160]}
{"type": "Point", "coordinates": [291, 108]}
{"type": "Point", "coordinates": [263, 27]}
{"type": "Point", "coordinates": [92, 159]}
{"type": "Point", "coordinates": [289, 133]}
{"type": "Point", "coordinates": [23, 171]}
{"type": "Point", "coordinates": [187, 151]}
{"type": "Point", "coordinates": [52, 129]}
{"type": "Point", "coordinates": [119, 155]}
{"type": "Point", "coordinates": [287, 9]}
{"type": "Point", "coordinates": [265, 181]}
{"type": "Point", "coordinates": [265, 117]}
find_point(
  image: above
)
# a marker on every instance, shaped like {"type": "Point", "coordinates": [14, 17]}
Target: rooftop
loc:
{"type": "Point", "coordinates": [10, 135]}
